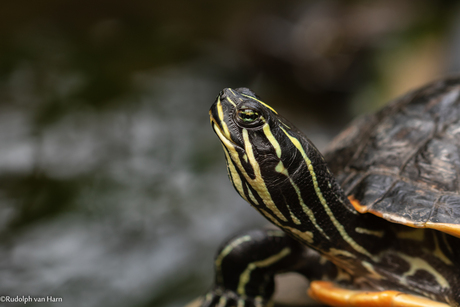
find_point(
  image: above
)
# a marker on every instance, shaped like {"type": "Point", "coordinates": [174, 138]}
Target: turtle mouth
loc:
{"type": "Point", "coordinates": [226, 141]}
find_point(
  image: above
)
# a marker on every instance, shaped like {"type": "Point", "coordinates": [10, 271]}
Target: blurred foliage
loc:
{"type": "Point", "coordinates": [308, 51]}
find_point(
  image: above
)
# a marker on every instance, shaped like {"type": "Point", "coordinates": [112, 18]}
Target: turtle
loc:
{"type": "Point", "coordinates": [375, 221]}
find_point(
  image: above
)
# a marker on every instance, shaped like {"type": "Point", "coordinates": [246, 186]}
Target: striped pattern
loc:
{"type": "Point", "coordinates": [237, 280]}
{"type": "Point", "coordinates": [281, 174]}
{"type": "Point", "coordinates": [247, 169]}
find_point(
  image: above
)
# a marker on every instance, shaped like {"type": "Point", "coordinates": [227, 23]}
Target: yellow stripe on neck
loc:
{"type": "Point", "coordinates": [323, 201]}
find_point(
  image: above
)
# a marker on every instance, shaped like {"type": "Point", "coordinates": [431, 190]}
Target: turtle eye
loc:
{"type": "Point", "coordinates": [248, 115]}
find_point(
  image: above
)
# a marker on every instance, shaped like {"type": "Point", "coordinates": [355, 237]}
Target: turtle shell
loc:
{"type": "Point", "coordinates": [403, 162]}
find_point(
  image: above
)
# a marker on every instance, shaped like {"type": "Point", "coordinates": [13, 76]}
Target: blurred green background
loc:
{"type": "Point", "coordinates": [113, 188]}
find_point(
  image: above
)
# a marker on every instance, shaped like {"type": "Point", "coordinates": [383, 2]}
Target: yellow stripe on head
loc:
{"type": "Point", "coordinates": [235, 177]}
{"type": "Point", "coordinates": [234, 104]}
{"type": "Point", "coordinates": [225, 141]}
{"type": "Point", "coordinates": [258, 183]}
{"type": "Point", "coordinates": [272, 140]}
{"type": "Point", "coordinates": [220, 111]}
{"type": "Point", "coordinates": [261, 102]}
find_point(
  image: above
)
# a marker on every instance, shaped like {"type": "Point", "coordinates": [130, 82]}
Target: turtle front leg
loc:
{"type": "Point", "coordinates": [245, 267]}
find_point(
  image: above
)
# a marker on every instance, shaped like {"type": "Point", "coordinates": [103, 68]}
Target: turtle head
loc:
{"type": "Point", "coordinates": [265, 153]}
{"type": "Point", "coordinates": [239, 117]}
{"type": "Point", "coordinates": [247, 128]}
{"type": "Point", "coordinates": [279, 171]}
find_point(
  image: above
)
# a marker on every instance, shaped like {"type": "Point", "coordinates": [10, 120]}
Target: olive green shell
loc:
{"type": "Point", "coordinates": [403, 162]}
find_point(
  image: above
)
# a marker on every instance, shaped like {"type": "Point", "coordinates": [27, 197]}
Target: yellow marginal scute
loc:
{"type": "Point", "coordinates": [452, 229]}
{"type": "Point", "coordinates": [330, 294]}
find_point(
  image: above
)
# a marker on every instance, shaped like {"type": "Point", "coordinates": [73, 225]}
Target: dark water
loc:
{"type": "Point", "coordinates": [113, 188]}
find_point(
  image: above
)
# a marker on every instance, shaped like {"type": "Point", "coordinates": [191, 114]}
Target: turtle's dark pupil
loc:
{"type": "Point", "coordinates": [248, 115]}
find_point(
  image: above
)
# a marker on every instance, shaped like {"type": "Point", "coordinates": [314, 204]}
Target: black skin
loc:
{"type": "Point", "coordinates": [391, 265]}
{"type": "Point", "coordinates": [261, 284]}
